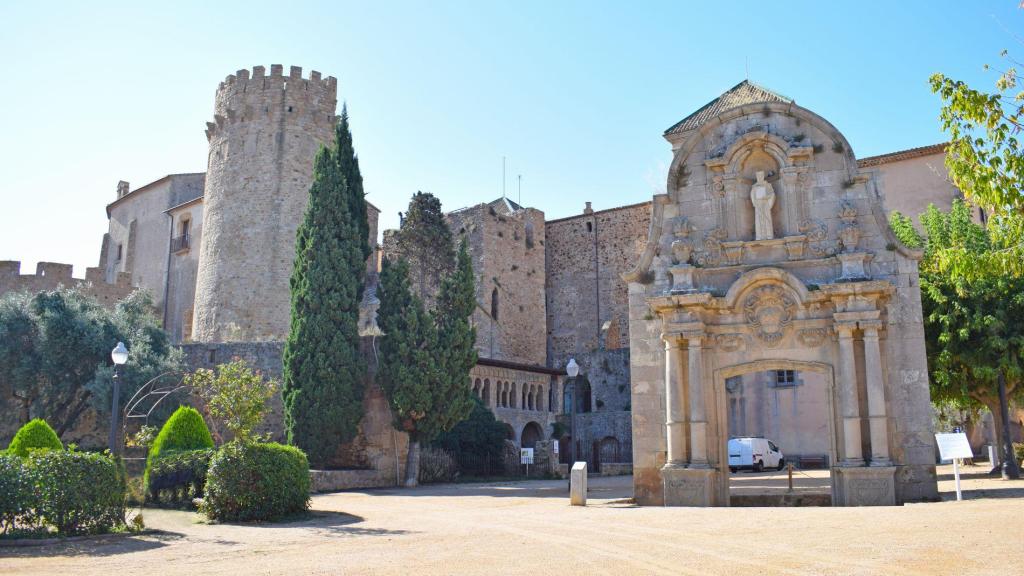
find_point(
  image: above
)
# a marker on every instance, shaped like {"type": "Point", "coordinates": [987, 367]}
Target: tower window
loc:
{"type": "Point", "coordinates": [494, 304]}
{"type": "Point", "coordinates": [590, 226]}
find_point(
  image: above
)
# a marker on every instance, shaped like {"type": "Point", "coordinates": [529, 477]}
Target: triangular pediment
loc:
{"type": "Point", "coordinates": [746, 92]}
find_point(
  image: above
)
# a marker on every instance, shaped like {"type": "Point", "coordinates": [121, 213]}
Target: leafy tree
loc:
{"type": "Point", "coordinates": [986, 161]}
{"type": "Point", "coordinates": [323, 367]}
{"type": "Point", "coordinates": [426, 356]}
{"type": "Point", "coordinates": [55, 353]}
{"type": "Point", "coordinates": [973, 329]}
{"type": "Point", "coordinates": [425, 241]}
{"type": "Point", "coordinates": [35, 435]}
{"type": "Point", "coordinates": [234, 394]}
{"type": "Point", "coordinates": [478, 441]}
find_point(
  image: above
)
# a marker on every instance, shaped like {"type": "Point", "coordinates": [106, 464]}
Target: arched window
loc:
{"type": "Point", "coordinates": [529, 398]}
{"type": "Point", "coordinates": [540, 398]}
{"type": "Point", "coordinates": [494, 304]}
{"type": "Point", "coordinates": [512, 396]}
{"type": "Point", "coordinates": [487, 392]}
{"type": "Point", "coordinates": [529, 234]}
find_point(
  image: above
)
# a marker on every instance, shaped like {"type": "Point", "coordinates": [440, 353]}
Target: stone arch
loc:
{"type": "Point", "coordinates": [510, 432]}
{"type": "Point", "coordinates": [529, 398]}
{"type": "Point", "coordinates": [765, 275]}
{"type": "Point", "coordinates": [504, 394]}
{"type": "Point", "coordinates": [532, 433]}
{"type": "Point", "coordinates": [478, 388]}
{"type": "Point", "coordinates": [540, 397]}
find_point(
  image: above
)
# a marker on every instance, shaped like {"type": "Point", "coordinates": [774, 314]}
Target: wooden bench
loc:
{"type": "Point", "coordinates": [813, 461]}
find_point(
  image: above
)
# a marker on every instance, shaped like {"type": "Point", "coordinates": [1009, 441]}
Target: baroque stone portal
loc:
{"type": "Point", "coordinates": [780, 283]}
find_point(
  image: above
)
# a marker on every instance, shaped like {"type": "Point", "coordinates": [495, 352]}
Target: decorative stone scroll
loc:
{"type": "Point", "coordinates": [711, 255]}
{"type": "Point", "coordinates": [813, 337]}
{"type": "Point", "coordinates": [849, 234]}
{"type": "Point", "coordinates": [730, 342]}
{"type": "Point", "coordinates": [770, 311]}
{"type": "Point", "coordinates": [817, 236]}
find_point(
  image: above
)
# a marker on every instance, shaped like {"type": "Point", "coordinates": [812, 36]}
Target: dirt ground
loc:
{"type": "Point", "coordinates": [529, 528]}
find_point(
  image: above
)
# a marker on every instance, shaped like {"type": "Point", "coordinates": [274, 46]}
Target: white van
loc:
{"type": "Point", "coordinates": [754, 453]}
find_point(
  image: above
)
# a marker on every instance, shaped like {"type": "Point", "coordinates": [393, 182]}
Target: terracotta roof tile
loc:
{"type": "Point", "coordinates": [745, 92]}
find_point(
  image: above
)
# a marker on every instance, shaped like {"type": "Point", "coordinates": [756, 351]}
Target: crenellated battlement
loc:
{"type": "Point", "coordinates": [52, 275]}
{"type": "Point", "coordinates": [257, 96]}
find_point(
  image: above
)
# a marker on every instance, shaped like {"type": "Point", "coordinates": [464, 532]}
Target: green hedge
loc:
{"type": "Point", "coordinates": [66, 492]}
{"type": "Point", "coordinates": [36, 434]}
{"type": "Point", "coordinates": [184, 430]}
{"type": "Point", "coordinates": [175, 479]}
{"type": "Point", "coordinates": [16, 502]}
{"type": "Point", "coordinates": [256, 481]}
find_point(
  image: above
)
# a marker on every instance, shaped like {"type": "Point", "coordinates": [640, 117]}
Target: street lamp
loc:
{"type": "Point", "coordinates": [119, 355]}
{"type": "Point", "coordinates": [573, 370]}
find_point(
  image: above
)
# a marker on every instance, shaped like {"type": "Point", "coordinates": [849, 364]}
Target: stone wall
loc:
{"type": "Point", "coordinates": [586, 256]}
{"type": "Point", "coordinates": [182, 268]}
{"type": "Point", "coordinates": [50, 276]}
{"type": "Point", "coordinates": [507, 245]}
{"type": "Point", "coordinates": [378, 449]}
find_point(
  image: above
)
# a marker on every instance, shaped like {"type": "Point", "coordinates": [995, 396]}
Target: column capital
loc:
{"type": "Point", "coordinates": [672, 340]}
{"type": "Point", "coordinates": [845, 329]}
{"type": "Point", "coordinates": [695, 339]}
{"type": "Point", "coordinates": [870, 327]}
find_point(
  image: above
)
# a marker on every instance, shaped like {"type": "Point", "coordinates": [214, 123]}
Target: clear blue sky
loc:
{"type": "Point", "coordinates": [574, 94]}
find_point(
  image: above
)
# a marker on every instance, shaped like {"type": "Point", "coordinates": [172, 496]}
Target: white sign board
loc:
{"type": "Point", "coordinates": [554, 446]}
{"type": "Point", "coordinates": [954, 445]}
{"type": "Point", "coordinates": [526, 455]}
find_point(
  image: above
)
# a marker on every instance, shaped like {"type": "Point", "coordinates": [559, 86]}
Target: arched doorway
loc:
{"type": "Point", "coordinates": [532, 433]}
{"type": "Point", "coordinates": [773, 413]}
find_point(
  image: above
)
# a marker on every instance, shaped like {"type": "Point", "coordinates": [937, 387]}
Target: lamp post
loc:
{"type": "Point", "coordinates": [573, 370]}
{"type": "Point", "coordinates": [119, 355]}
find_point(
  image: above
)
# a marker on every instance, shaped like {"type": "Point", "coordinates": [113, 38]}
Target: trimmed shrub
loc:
{"type": "Point", "coordinates": [16, 502]}
{"type": "Point", "coordinates": [175, 479]}
{"type": "Point", "coordinates": [184, 430]}
{"type": "Point", "coordinates": [248, 481]}
{"type": "Point", "coordinates": [36, 435]}
{"type": "Point", "coordinates": [77, 492]}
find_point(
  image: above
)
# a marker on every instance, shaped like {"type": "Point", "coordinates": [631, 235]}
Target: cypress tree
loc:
{"type": "Point", "coordinates": [323, 368]}
{"type": "Point", "coordinates": [426, 356]}
{"type": "Point", "coordinates": [425, 241]}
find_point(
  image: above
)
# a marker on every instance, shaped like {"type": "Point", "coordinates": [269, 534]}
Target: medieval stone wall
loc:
{"type": "Point", "coordinates": [275, 123]}
{"type": "Point", "coordinates": [50, 276]}
{"type": "Point", "coordinates": [507, 248]}
{"type": "Point", "coordinates": [182, 269]}
{"type": "Point", "coordinates": [517, 398]}
{"type": "Point", "coordinates": [378, 449]}
{"type": "Point", "coordinates": [587, 304]}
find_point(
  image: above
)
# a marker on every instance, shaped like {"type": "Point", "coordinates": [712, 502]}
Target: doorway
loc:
{"type": "Point", "coordinates": [778, 443]}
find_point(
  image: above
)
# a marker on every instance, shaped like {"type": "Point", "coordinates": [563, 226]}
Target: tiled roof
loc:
{"type": "Point", "coordinates": [901, 155]}
{"type": "Point", "coordinates": [745, 92]}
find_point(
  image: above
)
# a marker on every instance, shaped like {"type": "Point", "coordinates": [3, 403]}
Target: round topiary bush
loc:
{"type": "Point", "coordinates": [184, 430]}
{"type": "Point", "coordinates": [256, 481]}
{"type": "Point", "coordinates": [36, 435]}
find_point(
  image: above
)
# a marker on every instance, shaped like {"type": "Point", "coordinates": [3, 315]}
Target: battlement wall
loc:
{"type": "Point", "coordinates": [52, 275]}
{"type": "Point", "coordinates": [242, 97]}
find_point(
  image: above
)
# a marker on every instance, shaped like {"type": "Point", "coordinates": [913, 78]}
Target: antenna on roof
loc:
{"type": "Point", "coordinates": [746, 68]}
{"type": "Point", "coordinates": [520, 199]}
{"type": "Point", "coordinates": [502, 177]}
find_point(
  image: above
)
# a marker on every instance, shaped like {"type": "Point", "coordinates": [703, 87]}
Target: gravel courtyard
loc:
{"type": "Point", "coordinates": [529, 528]}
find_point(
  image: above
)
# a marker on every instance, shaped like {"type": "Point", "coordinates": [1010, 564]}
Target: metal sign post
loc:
{"type": "Point", "coordinates": [954, 447]}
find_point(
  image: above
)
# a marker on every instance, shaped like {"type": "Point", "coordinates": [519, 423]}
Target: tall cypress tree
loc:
{"type": "Point", "coordinates": [323, 367]}
{"type": "Point", "coordinates": [425, 241]}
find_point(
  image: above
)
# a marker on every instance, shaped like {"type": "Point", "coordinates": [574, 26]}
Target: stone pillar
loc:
{"type": "Point", "coordinates": [698, 413]}
{"type": "Point", "coordinates": [848, 400]}
{"type": "Point", "coordinates": [878, 421]}
{"type": "Point", "coordinates": [675, 403]}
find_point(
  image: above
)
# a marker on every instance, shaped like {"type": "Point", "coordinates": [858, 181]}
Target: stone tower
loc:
{"type": "Point", "coordinates": [264, 137]}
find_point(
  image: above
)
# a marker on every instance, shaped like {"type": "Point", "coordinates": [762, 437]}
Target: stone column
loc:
{"type": "Point", "coordinates": [698, 413]}
{"type": "Point", "coordinates": [848, 400]}
{"type": "Point", "coordinates": [675, 403]}
{"type": "Point", "coordinates": [877, 419]}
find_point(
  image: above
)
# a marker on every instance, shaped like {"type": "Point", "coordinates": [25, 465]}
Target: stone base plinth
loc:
{"type": "Point", "coordinates": [689, 486]}
{"type": "Point", "coordinates": [864, 486]}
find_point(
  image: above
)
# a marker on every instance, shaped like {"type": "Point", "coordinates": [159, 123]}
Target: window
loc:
{"type": "Point", "coordinates": [494, 305]}
{"type": "Point", "coordinates": [184, 227]}
{"type": "Point", "coordinates": [590, 226]}
{"type": "Point", "coordinates": [785, 377]}
{"type": "Point", "coordinates": [120, 252]}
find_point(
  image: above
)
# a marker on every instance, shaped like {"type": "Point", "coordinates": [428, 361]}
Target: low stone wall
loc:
{"type": "Point", "coordinates": [336, 480]}
{"type": "Point", "coordinates": [607, 469]}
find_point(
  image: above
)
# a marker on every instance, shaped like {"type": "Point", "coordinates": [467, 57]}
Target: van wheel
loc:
{"type": "Point", "coordinates": [782, 463]}
{"type": "Point", "coordinates": [758, 466]}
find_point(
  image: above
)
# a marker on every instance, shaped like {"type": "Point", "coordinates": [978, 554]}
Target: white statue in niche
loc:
{"type": "Point", "coordinates": [762, 196]}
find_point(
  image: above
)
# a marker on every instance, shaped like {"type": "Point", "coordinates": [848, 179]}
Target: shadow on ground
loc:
{"type": "Point", "coordinates": [103, 545]}
{"type": "Point", "coordinates": [599, 487]}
